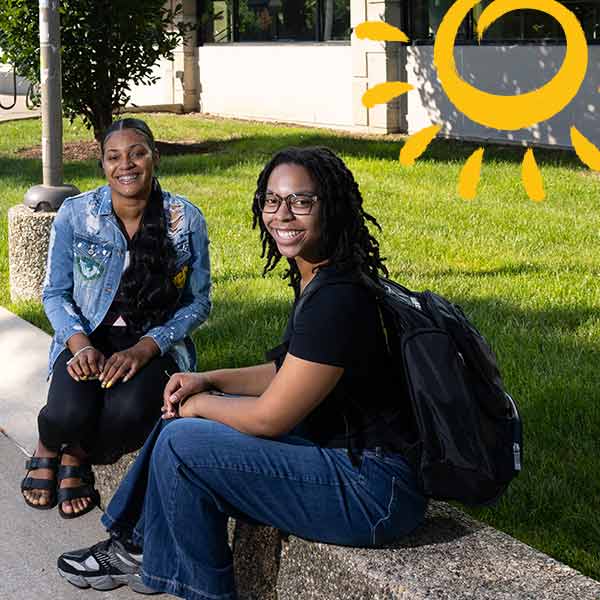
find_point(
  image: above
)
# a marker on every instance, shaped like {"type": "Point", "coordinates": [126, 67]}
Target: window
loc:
{"type": "Point", "coordinates": [274, 20]}
{"type": "Point", "coordinates": [516, 26]}
{"type": "Point", "coordinates": [588, 13]}
{"type": "Point", "coordinates": [426, 16]}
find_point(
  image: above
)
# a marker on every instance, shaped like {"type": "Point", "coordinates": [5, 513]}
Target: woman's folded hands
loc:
{"type": "Point", "coordinates": [178, 389]}
{"type": "Point", "coordinates": [125, 364]}
{"type": "Point", "coordinates": [89, 363]}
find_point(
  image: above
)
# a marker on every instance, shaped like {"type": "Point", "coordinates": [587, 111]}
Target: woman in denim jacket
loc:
{"type": "Point", "coordinates": [127, 281]}
{"type": "Point", "coordinates": [306, 442]}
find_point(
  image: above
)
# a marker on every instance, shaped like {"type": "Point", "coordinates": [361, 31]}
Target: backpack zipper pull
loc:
{"type": "Point", "coordinates": [517, 456]}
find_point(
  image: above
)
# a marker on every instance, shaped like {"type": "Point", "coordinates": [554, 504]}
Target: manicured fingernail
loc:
{"type": "Point", "coordinates": [173, 398]}
{"type": "Point", "coordinates": [109, 384]}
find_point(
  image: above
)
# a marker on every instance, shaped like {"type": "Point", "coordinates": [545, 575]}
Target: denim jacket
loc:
{"type": "Point", "coordinates": [86, 255]}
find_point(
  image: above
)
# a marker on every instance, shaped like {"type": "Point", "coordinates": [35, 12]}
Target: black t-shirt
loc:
{"type": "Point", "coordinates": [117, 311]}
{"type": "Point", "coordinates": [339, 324]}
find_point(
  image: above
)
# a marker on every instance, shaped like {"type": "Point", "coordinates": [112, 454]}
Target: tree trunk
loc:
{"type": "Point", "coordinates": [101, 120]}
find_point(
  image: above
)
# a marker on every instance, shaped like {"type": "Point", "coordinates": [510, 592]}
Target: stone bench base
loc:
{"type": "Point", "coordinates": [450, 557]}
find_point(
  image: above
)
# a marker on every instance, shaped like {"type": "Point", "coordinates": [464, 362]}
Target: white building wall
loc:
{"type": "Point", "coordinates": [503, 70]}
{"type": "Point", "coordinates": [167, 90]}
{"type": "Point", "coordinates": [300, 83]}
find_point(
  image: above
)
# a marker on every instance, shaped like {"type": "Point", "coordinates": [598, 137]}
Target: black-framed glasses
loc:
{"type": "Point", "coordinates": [297, 204]}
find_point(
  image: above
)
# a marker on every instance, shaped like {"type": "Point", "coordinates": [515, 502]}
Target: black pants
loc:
{"type": "Point", "coordinates": [106, 423]}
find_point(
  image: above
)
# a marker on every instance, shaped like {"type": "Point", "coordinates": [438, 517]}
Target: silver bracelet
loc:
{"type": "Point", "coordinates": [78, 353]}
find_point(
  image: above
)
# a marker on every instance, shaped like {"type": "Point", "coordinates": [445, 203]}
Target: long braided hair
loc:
{"type": "Point", "coordinates": [147, 288]}
{"type": "Point", "coordinates": [345, 239]}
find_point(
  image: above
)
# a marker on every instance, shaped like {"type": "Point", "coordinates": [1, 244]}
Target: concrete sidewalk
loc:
{"type": "Point", "coordinates": [24, 359]}
{"type": "Point", "coordinates": [31, 540]}
{"type": "Point", "coordinates": [19, 111]}
{"type": "Point", "coordinates": [474, 562]}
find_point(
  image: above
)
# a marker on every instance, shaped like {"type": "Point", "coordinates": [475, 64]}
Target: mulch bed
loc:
{"type": "Point", "coordinates": [91, 150]}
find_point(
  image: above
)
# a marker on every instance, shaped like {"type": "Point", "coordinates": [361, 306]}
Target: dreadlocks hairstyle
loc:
{"type": "Point", "coordinates": [345, 239]}
{"type": "Point", "coordinates": [147, 284]}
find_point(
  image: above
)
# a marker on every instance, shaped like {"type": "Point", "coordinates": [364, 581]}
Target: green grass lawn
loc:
{"type": "Point", "coordinates": [528, 274]}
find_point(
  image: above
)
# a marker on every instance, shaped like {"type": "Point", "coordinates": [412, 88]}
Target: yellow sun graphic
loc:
{"type": "Point", "coordinates": [492, 110]}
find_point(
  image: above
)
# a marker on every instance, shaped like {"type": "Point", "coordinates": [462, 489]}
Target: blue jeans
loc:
{"type": "Point", "coordinates": [193, 474]}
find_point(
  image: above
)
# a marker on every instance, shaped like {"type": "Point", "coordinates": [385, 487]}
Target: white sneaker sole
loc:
{"type": "Point", "coordinates": [102, 583]}
{"type": "Point", "coordinates": [137, 585]}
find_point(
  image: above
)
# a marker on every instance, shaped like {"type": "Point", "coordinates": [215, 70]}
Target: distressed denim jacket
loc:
{"type": "Point", "coordinates": [86, 256]}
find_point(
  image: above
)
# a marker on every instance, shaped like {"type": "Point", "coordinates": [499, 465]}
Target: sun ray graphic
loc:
{"type": "Point", "coordinates": [384, 92]}
{"type": "Point", "coordinates": [587, 152]}
{"type": "Point", "coordinates": [509, 112]}
{"type": "Point", "coordinates": [532, 178]}
{"type": "Point", "coordinates": [417, 143]}
{"type": "Point", "coordinates": [379, 31]}
{"type": "Point", "coordinates": [470, 175]}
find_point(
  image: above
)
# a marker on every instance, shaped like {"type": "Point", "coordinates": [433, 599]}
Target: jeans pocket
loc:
{"type": "Point", "coordinates": [362, 470]}
{"type": "Point", "coordinates": [402, 509]}
{"type": "Point", "coordinates": [382, 532]}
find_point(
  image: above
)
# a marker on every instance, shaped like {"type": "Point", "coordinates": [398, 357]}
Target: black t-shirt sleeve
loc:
{"type": "Point", "coordinates": [329, 329]}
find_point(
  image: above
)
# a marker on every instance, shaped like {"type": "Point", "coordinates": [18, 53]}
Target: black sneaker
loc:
{"type": "Point", "coordinates": [105, 566]}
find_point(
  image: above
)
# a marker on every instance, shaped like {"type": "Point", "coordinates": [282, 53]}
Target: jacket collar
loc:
{"type": "Point", "coordinates": [105, 200]}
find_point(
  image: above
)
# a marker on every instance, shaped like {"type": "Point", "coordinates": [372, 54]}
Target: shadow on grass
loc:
{"type": "Point", "coordinates": [513, 269]}
{"type": "Point", "coordinates": [239, 332]}
{"type": "Point", "coordinates": [259, 148]}
{"type": "Point", "coordinates": [549, 367]}
{"type": "Point", "coordinates": [551, 370]}
{"type": "Point", "coordinates": [552, 375]}
{"type": "Point", "coordinates": [454, 150]}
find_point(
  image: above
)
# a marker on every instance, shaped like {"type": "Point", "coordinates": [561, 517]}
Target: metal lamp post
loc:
{"type": "Point", "coordinates": [50, 195]}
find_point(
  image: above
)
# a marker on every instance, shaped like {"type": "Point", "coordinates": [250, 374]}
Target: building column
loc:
{"type": "Point", "coordinates": [191, 75]}
{"type": "Point", "coordinates": [377, 62]}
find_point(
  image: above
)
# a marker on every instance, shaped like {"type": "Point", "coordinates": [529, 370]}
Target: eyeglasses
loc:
{"type": "Point", "coordinates": [297, 204]}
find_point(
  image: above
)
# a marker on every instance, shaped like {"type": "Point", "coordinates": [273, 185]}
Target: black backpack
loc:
{"type": "Point", "coordinates": [469, 433]}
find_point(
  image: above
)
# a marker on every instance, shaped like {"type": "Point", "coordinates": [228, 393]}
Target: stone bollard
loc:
{"type": "Point", "coordinates": [28, 237]}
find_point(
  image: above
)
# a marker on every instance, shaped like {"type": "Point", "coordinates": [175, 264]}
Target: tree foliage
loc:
{"type": "Point", "coordinates": [107, 47]}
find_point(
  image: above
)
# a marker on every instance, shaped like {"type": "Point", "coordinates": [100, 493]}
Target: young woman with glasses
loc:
{"type": "Point", "coordinates": [301, 442]}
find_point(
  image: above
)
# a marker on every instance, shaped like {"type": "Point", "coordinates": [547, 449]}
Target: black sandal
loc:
{"type": "Point", "coordinates": [87, 490]}
{"type": "Point", "coordinates": [32, 483]}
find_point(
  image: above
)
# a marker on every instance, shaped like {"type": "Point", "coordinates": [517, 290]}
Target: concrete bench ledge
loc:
{"type": "Point", "coordinates": [450, 557]}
